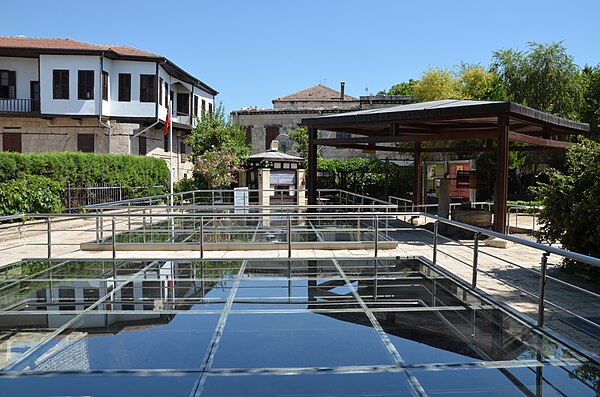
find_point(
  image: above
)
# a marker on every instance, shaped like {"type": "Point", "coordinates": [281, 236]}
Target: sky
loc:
{"type": "Point", "coordinates": [252, 52]}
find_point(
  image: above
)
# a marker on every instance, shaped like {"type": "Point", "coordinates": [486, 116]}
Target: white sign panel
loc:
{"type": "Point", "coordinates": [240, 198]}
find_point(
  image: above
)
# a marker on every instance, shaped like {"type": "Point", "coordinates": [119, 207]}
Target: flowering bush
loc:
{"type": "Point", "coordinates": [216, 167]}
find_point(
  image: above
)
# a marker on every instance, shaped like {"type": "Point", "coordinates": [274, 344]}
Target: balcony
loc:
{"type": "Point", "coordinates": [19, 105]}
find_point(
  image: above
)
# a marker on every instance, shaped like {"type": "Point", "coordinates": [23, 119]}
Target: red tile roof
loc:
{"type": "Point", "coordinates": [69, 44]}
{"type": "Point", "coordinates": [316, 93]}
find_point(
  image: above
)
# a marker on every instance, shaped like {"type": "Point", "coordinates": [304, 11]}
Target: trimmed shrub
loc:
{"type": "Point", "coordinates": [86, 168]}
{"type": "Point", "coordinates": [30, 194]}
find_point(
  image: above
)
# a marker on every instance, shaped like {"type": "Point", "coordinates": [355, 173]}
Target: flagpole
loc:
{"type": "Point", "coordinates": [171, 154]}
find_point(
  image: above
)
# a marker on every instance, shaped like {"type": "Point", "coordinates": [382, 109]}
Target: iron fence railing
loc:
{"type": "Point", "coordinates": [76, 197]}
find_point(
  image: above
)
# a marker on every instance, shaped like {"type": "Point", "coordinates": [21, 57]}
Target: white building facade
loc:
{"type": "Point", "coordinates": [66, 95]}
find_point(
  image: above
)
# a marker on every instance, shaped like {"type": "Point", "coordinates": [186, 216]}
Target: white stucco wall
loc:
{"type": "Point", "coordinates": [134, 108]}
{"type": "Point", "coordinates": [72, 63]}
{"type": "Point", "coordinates": [26, 71]}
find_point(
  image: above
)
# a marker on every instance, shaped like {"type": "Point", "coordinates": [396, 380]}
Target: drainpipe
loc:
{"type": "Point", "coordinates": [155, 109]}
{"type": "Point", "coordinates": [100, 97]}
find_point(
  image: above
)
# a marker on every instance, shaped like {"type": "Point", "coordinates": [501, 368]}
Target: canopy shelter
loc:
{"type": "Point", "coordinates": [403, 128]}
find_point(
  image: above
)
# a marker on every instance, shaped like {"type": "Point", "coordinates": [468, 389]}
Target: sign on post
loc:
{"type": "Point", "coordinates": [240, 199]}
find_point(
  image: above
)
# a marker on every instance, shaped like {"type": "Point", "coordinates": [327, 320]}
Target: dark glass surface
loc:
{"type": "Point", "coordinates": [345, 327]}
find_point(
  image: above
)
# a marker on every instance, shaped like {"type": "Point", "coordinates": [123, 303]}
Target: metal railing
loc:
{"type": "Point", "coordinates": [515, 210]}
{"type": "Point", "coordinates": [532, 211]}
{"type": "Point", "coordinates": [75, 197]}
{"type": "Point", "coordinates": [19, 105]}
{"type": "Point", "coordinates": [227, 196]}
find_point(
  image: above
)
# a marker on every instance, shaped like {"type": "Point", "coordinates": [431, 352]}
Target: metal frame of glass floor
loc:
{"type": "Point", "coordinates": [294, 327]}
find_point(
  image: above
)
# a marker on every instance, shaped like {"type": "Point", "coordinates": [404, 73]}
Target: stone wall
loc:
{"type": "Point", "coordinates": [259, 120]}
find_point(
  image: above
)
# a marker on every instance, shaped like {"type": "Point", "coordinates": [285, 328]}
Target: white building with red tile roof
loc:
{"type": "Point", "coordinates": [66, 95]}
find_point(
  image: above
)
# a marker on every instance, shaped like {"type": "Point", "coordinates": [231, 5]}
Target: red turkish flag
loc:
{"type": "Point", "coordinates": [167, 122]}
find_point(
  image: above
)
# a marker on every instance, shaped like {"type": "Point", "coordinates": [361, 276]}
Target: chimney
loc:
{"type": "Point", "coordinates": [342, 85]}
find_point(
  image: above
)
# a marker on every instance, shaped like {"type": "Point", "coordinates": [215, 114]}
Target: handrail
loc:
{"type": "Point", "coordinates": [229, 192]}
{"type": "Point", "coordinates": [369, 216]}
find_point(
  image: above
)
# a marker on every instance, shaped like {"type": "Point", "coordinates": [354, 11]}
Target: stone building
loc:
{"type": "Point", "coordinates": [67, 95]}
{"type": "Point", "coordinates": [264, 125]}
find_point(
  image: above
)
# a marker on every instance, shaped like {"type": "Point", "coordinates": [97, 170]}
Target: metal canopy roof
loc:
{"type": "Point", "coordinates": [448, 115]}
{"type": "Point", "coordinates": [444, 120]}
{"type": "Point", "coordinates": [274, 155]}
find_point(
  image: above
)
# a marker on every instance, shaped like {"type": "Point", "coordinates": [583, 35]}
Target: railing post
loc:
{"type": "Point", "coordinates": [49, 222]}
{"type": "Point", "coordinates": [129, 220]}
{"type": "Point", "coordinates": [144, 225]}
{"type": "Point", "coordinates": [114, 241]}
{"type": "Point", "coordinates": [376, 237]}
{"type": "Point", "coordinates": [375, 280]}
{"type": "Point", "coordinates": [201, 238]}
{"type": "Point", "coordinates": [69, 195]}
{"type": "Point", "coordinates": [97, 228]}
{"type": "Point", "coordinates": [101, 225]}
{"type": "Point", "coordinates": [435, 240]}
{"type": "Point", "coordinates": [542, 291]}
{"type": "Point", "coordinates": [475, 259]}
{"type": "Point", "coordinates": [289, 235]}
{"type": "Point", "coordinates": [387, 224]}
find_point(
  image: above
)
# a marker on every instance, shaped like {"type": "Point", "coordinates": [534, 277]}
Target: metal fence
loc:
{"type": "Point", "coordinates": [75, 197]}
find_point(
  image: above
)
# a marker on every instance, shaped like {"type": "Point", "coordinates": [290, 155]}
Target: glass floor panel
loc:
{"type": "Point", "coordinates": [300, 327]}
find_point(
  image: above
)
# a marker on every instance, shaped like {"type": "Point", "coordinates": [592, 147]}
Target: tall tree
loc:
{"type": "Point", "coordinates": [544, 78]}
{"type": "Point", "coordinates": [218, 149]}
{"type": "Point", "coordinates": [404, 88]}
{"type": "Point", "coordinates": [590, 112]}
{"type": "Point", "coordinates": [300, 138]}
{"type": "Point", "coordinates": [437, 83]}
{"type": "Point", "coordinates": [477, 82]}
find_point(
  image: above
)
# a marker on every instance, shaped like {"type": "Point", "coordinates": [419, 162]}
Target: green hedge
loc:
{"type": "Point", "coordinates": [86, 168]}
{"type": "Point", "coordinates": [30, 194]}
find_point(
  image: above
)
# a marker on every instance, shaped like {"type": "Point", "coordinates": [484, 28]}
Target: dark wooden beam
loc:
{"type": "Point", "coordinates": [417, 174]}
{"type": "Point", "coordinates": [532, 140]}
{"type": "Point", "coordinates": [501, 191]}
{"type": "Point", "coordinates": [311, 181]}
{"type": "Point", "coordinates": [375, 147]}
{"type": "Point", "coordinates": [465, 149]}
{"type": "Point", "coordinates": [442, 136]}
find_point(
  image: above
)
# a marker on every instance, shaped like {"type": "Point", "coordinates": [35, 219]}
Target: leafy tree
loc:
{"type": "Point", "coordinates": [300, 138]}
{"type": "Point", "coordinates": [590, 113]}
{"type": "Point", "coordinates": [404, 88]}
{"type": "Point", "coordinates": [544, 78]}
{"type": "Point", "coordinates": [437, 83]}
{"type": "Point", "coordinates": [570, 213]}
{"type": "Point", "coordinates": [214, 131]}
{"type": "Point", "coordinates": [218, 148]}
{"type": "Point", "coordinates": [477, 82]}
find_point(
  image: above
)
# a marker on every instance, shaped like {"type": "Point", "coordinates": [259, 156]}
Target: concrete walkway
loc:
{"type": "Point", "coordinates": [509, 275]}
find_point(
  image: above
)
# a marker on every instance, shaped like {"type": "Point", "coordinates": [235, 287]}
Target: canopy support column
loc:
{"type": "Point", "coordinates": [311, 182]}
{"type": "Point", "coordinates": [418, 176]}
{"type": "Point", "coordinates": [501, 191]}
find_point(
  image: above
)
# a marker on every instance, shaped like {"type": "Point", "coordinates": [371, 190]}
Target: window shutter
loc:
{"type": "Point", "coordinates": [271, 134]}
{"type": "Point", "coordinates": [11, 142]}
{"type": "Point", "coordinates": [12, 84]}
{"type": "Point", "coordinates": [85, 143]}
{"type": "Point", "coordinates": [248, 135]}
{"type": "Point", "coordinates": [160, 91]}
